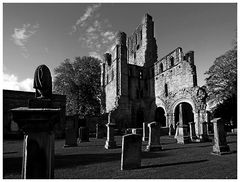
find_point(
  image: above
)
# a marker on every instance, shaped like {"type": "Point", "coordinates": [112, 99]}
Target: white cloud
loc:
{"type": "Point", "coordinates": [95, 54]}
{"type": "Point", "coordinates": [82, 20]}
{"type": "Point", "coordinates": [22, 35]}
{"type": "Point", "coordinates": [11, 82]}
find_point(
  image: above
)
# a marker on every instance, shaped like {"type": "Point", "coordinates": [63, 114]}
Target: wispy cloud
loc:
{"type": "Point", "coordinates": [95, 54]}
{"type": "Point", "coordinates": [22, 35]}
{"type": "Point", "coordinates": [82, 20]}
{"type": "Point", "coordinates": [11, 82]}
{"type": "Point", "coordinates": [94, 32]}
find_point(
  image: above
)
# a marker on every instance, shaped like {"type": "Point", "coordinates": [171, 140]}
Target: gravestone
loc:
{"type": "Point", "coordinates": [37, 122]}
{"type": "Point", "coordinates": [145, 132]}
{"type": "Point", "coordinates": [154, 137]}
{"type": "Point", "coordinates": [99, 131]}
{"type": "Point", "coordinates": [203, 132]}
{"type": "Point", "coordinates": [193, 136]}
{"type": "Point", "coordinates": [131, 151]}
{"type": "Point", "coordinates": [71, 132]}
{"type": "Point", "coordinates": [220, 146]}
{"type": "Point", "coordinates": [83, 134]}
{"type": "Point", "coordinates": [171, 130]}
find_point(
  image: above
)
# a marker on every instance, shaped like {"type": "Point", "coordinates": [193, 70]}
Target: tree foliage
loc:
{"type": "Point", "coordinates": [79, 80]}
{"type": "Point", "coordinates": [222, 84]}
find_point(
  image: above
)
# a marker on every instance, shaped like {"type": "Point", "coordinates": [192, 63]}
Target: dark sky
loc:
{"type": "Point", "coordinates": [35, 34]}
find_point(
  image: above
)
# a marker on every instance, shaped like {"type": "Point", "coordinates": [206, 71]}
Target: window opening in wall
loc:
{"type": "Point", "coordinates": [112, 74]}
{"type": "Point", "coordinates": [134, 55]}
{"type": "Point", "coordinates": [172, 61]}
{"type": "Point", "coordinates": [138, 47]}
{"type": "Point", "coordinates": [141, 34]}
{"type": "Point", "coordinates": [130, 72]}
{"type": "Point", "coordinates": [140, 75]}
{"type": "Point", "coordinates": [107, 78]}
{"type": "Point", "coordinates": [161, 67]}
{"type": "Point", "coordinates": [166, 90]}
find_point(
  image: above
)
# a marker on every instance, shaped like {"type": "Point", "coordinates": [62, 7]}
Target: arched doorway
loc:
{"type": "Point", "coordinates": [183, 113]}
{"type": "Point", "coordinates": [160, 116]}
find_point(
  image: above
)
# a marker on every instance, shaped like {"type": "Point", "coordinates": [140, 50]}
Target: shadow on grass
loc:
{"type": "Point", "coordinates": [173, 164]}
{"type": "Point", "coordinates": [69, 161]}
{"type": "Point", "coordinates": [12, 165]}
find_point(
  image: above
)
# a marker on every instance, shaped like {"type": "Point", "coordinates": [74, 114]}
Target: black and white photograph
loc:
{"type": "Point", "coordinates": [119, 90]}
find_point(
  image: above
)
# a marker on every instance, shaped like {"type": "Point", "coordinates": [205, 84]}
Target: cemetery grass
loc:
{"type": "Point", "coordinates": [90, 160]}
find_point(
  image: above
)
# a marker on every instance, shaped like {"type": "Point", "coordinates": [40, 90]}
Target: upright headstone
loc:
{"type": "Point", "coordinates": [71, 132]}
{"type": "Point", "coordinates": [203, 132]}
{"type": "Point", "coordinates": [83, 134]}
{"type": "Point", "coordinates": [37, 122]}
{"type": "Point", "coordinates": [131, 151]}
{"type": "Point", "coordinates": [220, 146]}
{"type": "Point", "coordinates": [192, 131]}
{"type": "Point", "coordinates": [99, 131]}
{"type": "Point", "coordinates": [145, 132]}
{"type": "Point", "coordinates": [154, 137]}
{"type": "Point", "coordinates": [171, 130]}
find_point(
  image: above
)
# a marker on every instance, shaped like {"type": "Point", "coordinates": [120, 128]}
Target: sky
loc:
{"type": "Point", "coordinates": [49, 33]}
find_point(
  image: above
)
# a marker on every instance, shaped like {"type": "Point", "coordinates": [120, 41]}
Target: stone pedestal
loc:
{"type": "Point", "coordinates": [99, 131]}
{"type": "Point", "coordinates": [145, 132]}
{"type": "Point", "coordinates": [193, 136]}
{"type": "Point", "coordinates": [38, 146]}
{"type": "Point", "coordinates": [110, 142]}
{"type": "Point", "coordinates": [83, 134]}
{"type": "Point", "coordinates": [154, 137]}
{"type": "Point", "coordinates": [182, 136]}
{"type": "Point", "coordinates": [203, 132]}
{"type": "Point", "coordinates": [220, 146]}
{"type": "Point", "coordinates": [131, 151]}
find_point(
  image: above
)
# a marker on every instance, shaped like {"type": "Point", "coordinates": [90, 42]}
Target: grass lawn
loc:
{"type": "Point", "coordinates": [90, 160]}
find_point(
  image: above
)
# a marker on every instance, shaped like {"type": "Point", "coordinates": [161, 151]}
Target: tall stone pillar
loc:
{"type": "Point", "coordinates": [110, 142]}
{"type": "Point", "coordinates": [220, 146]}
{"type": "Point", "coordinates": [182, 136]}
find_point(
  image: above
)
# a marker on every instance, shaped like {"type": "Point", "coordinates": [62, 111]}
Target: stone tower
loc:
{"type": "Point", "coordinates": [137, 87]}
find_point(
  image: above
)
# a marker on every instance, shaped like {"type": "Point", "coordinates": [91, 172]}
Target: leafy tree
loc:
{"type": "Point", "coordinates": [222, 85]}
{"type": "Point", "coordinates": [79, 80]}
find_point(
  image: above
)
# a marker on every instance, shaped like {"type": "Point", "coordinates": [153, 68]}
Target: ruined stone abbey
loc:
{"type": "Point", "coordinates": [139, 87]}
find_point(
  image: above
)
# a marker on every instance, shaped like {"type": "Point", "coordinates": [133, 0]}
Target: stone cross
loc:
{"type": "Point", "coordinates": [220, 146]}
{"type": "Point", "coordinates": [154, 137]}
{"type": "Point", "coordinates": [131, 151]}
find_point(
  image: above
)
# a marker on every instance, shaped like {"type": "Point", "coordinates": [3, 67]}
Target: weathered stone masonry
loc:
{"type": "Point", "coordinates": [140, 88]}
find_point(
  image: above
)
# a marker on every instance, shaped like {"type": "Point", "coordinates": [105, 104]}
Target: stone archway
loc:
{"type": "Point", "coordinates": [183, 114]}
{"type": "Point", "coordinates": [188, 102]}
{"type": "Point", "coordinates": [160, 116]}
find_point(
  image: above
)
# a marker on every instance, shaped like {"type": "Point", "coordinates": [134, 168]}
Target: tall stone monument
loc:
{"type": "Point", "coordinates": [110, 142]}
{"type": "Point", "coordinates": [37, 122]}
